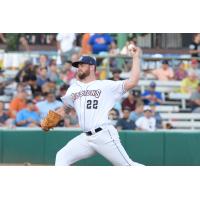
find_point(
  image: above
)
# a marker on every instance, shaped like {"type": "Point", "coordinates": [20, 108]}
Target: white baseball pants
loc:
{"type": "Point", "coordinates": [106, 142]}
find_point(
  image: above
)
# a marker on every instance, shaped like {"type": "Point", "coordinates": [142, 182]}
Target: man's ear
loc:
{"type": "Point", "coordinates": [93, 67]}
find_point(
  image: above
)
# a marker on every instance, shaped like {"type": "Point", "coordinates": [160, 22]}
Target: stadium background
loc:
{"type": "Point", "coordinates": [177, 146]}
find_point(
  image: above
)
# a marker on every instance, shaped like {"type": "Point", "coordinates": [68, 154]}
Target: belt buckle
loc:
{"type": "Point", "coordinates": [93, 131]}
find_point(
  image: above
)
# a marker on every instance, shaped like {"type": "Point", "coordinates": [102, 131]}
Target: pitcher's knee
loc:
{"type": "Point", "coordinates": [63, 158]}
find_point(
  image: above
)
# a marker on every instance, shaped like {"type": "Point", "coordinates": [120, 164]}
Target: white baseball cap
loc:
{"type": "Point", "coordinates": [147, 108]}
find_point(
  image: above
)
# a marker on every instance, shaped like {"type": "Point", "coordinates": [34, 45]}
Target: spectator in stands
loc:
{"type": "Point", "coordinates": [14, 40]}
{"type": "Point", "coordinates": [130, 101]}
{"type": "Point", "coordinates": [33, 84]}
{"type": "Point", "coordinates": [116, 75]}
{"type": "Point", "coordinates": [3, 115]}
{"type": "Point", "coordinates": [71, 120]}
{"type": "Point", "coordinates": [52, 71]}
{"type": "Point", "coordinates": [157, 116]}
{"type": "Point", "coordinates": [190, 83]}
{"type": "Point", "coordinates": [65, 45]}
{"type": "Point", "coordinates": [37, 97]}
{"type": "Point", "coordinates": [49, 86]}
{"type": "Point", "coordinates": [42, 78]}
{"type": "Point", "coordinates": [146, 122]}
{"type": "Point", "coordinates": [164, 73]}
{"type": "Point", "coordinates": [74, 57]}
{"type": "Point", "coordinates": [113, 116]}
{"type": "Point", "coordinates": [151, 95]}
{"type": "Point", "coordinates": [50, 103]}
{"type": "Point", "coordinates": [43, 61]}
{"type": "Point", "coordinates": [180, 73]}
{"type": "Point", "coordinates": [85, 47]}
{"type": "Point", "coordinates": [138, 112]}
{"type": "Point", "coordinates": [195, 100]}
{"type": "Point", "coordinates": [27, 71]}
{"type": "Point", "coordinates": [68, 73]}
{"type": "Point", "coordinates": [125, 123]}
{"type": "Point", "coordinates": [2, 80]}
{"type": "Point", "coordinates": [28, 117]}
{"type": "Point", "coordinates": [24, 86]}
{"type": "Point", "coordinates": [114, 51]}
{"type": "Point", "coordinates": [195, 66]}
{"type": "Point", "coordinates": [17, 104]}
{"type": "Point", "coordinates": [194, 47]}
{"type": "Point", "coordinates": [77, 43]}
{"type": "Point", "coordinates": [100, 43]}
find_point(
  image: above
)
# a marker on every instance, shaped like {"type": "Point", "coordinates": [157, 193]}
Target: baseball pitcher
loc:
{"type": "Point", "coordinates": [92, 100]}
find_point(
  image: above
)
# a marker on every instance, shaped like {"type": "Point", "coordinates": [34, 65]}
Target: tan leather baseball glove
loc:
{"type": "Point", "coordinates": [50, 121]}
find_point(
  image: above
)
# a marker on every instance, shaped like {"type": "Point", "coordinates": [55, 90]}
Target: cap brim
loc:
{"type": "Point", "coordinates": [148, 110]}
{"type": "Point", "coordinates": [75, 64]}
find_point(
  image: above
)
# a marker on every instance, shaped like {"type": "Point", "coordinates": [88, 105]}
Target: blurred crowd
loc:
{"type": "Point", "coordinates": [36, 89]}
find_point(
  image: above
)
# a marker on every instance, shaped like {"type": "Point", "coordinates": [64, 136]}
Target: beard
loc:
{"type": "Point", "coordinates": [83, 75]}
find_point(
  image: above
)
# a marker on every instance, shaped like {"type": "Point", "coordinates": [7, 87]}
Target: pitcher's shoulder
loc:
{"type": "Point", "coordinates": [110, 82]}
{"type": "Point", "coordinates": [106, 84]}
{"type": "Point", "coordinates": [75, 84]}
{"type": "Point", "coordinates": [106, 81]}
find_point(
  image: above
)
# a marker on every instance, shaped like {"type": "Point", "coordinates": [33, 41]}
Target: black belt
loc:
{"type": "Point", "coordinates": [89, 133]}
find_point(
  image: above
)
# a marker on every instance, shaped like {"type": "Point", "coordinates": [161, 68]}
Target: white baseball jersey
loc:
{"type": "Point", "coordinates": [92, 101]}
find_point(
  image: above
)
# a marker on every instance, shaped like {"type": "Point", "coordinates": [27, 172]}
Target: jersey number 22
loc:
{"type": "Point", "coordinates": [92, 104]}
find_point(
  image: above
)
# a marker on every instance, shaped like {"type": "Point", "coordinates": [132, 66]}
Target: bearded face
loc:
{"type": "Point", "coordinates": [83, 71]}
